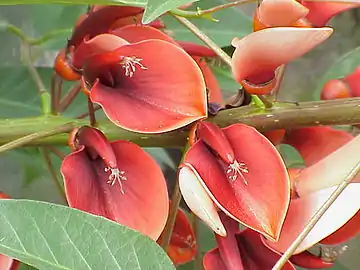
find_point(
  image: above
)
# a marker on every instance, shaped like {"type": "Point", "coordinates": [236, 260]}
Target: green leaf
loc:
{"type": "Point", "coordinates": [155, 8]}
{"type": "Point", "coordinates": [343, 66]}
{"type": "Point", "coordinates": [74, 2]}
{"type": "Point", "coordinates": [291, 157]}
{"type": "Point", "coordinates": [50, 236]}
{"type": "Point", "coordinates": [232, 23]}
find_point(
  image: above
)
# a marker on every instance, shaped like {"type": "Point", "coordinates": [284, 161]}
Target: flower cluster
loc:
{"type": "Point", "coordinates": [147, 82]}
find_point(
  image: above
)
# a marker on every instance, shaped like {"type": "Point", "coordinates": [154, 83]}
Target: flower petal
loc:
{"type": "Point", "coordinates": [345, 233]}
{"type": "Point", "coordinates": [182, 247]}
{"type": "Point", "coordinates": [196, 50]}
{"type": "Point", "coordinates": [7, 263]}
{"type": "Point", "coordinates": [143, 206]}
{"type": "Point", "coordinates": [168, 93]}
{"type": "Point", "coordinates": [198, 200]}
{"type": "Point", "coordinates": [302, 209]}
{"type": "Point", "coordinates": [335, 89]}
{"type": "Point", "coordinates": [315, 143]}
{"type": "Point", "coordinates": [212, 260]}
{"type": "Point", "coordinates": [353, 81]}
{"type": "Point", "coordinates": [275, 13]}
{"type": "Point", "coordinates": [261, 52]}
{"type": "Point", "coordinates": [330, 170]}
{"type": "Point", "coordinates": [262, 203]}
{"type": "Point", "coordinates": [321, 12]}
{"type": "Point", "coordinates": [100, 20]}
{"type": "Point", "coordinates": [255, 255]}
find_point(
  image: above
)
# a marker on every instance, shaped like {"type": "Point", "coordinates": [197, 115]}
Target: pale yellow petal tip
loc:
{"type": "Point", "coordinates": [198, 199]}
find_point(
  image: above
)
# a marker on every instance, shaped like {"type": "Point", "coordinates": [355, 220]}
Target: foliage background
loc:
{"type": "Point", "coordinates": [23, 171]}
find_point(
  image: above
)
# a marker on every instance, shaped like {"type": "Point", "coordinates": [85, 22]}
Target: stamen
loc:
{"type": "Point", "coordinates": [236, 169]}
{"type": "Point", "coordinates": [129, 64]}
{"type": "Point", "coordinates": [116, 175]}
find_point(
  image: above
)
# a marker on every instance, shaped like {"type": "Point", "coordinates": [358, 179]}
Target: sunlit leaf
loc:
{"type": "Point", "coordinates": [49, 236]}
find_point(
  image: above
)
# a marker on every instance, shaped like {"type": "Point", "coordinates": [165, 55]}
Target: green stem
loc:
{"type": "Point", "coordinates": [53, 174]}
{"type": "Point", "coordinates": [280, 116]}
{"type": "Point", "coordinates": [207, 13]}
{"type": "Point", "coordinates": [70, 95]}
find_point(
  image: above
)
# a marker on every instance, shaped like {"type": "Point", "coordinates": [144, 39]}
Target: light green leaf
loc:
{"type": "Point", "coordinates": [343, 66]}
{"type": "Point", "coordinates": [291, 156]}
{"type": "Point", "coordinates": [49, 236]}
{"type": "Point", "coordinates": [232, 23]}
{"type": "Point", "coordinates": [155, 8]}
{"type": "Point", "coordinates": [74, 2]}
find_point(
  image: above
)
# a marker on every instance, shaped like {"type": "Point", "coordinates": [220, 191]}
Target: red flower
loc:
{"type": "Point", "coordinates": [244, 250]}
{"type": "Point", "coordinates": [258, 55]}
{"type": "Point", "coordinates": [117, 180]}
{"type": "Point", "coordinates": [242, 173]}
{"type": "Point", "coordinates": [182, 247]}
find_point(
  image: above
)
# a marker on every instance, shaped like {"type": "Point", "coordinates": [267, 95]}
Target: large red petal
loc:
{"type": "Point", "coordinates": [302, 209]}
{"type": "Point", "coordinates": [260, 205]}
{"type": "Point", "coordinates": [144, 204]}
{"type": "Point", "coordinates": [315, 143]}
{"type": "Point", "coordinates": [308, 260]}
{"type": "Point", "coordinates": [255, 255]}
{"type": "Point", "coordinates": [168, 94]}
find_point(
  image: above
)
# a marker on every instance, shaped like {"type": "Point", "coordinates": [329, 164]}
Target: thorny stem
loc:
{"type": "Point", "coordinates": [91, 109]}
{"type": "Point", "coordinates": [207, 13]}
{"type": "Point", "coordinates": [34, 136]}
{"type": "Point", "coordinates": [86, 114]}
{"type": "Point", "coordinates": [69, 97]}
{"type": "Point", "coordinates": [204, 38]}
{"type": "Point", "coordinates": [54, 177]}
{"type": "Point", "coordinates": [280, 116]}
{"type": "Point", "coordinates": [290, 251]}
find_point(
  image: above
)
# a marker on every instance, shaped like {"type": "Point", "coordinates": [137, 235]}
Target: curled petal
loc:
{"type": "Point", "coordinates": [315, 143]}
{"type": "Point", "coordinates": [321, 12]}
{"type": "Point", "coordinates": [100, 20]}
{"type": "Point", "coordinates": [254, 190]}
{"type": "Point", "coordinates": [138, 176]}
{"type": "Point", "coordinates": [198, 200]}
{"type": "Point", "coordinates": [335, 89]}
{"type": "Point", "coordinates": [162, 94]}
{"type": "Point", "coordinates": [63, 67]}
{"type": "Point", "coordinates": [308, 260]}
{"type": "Point", "coordinates": [257, 55]}
{"type": "Point", "coordinates": [275, 13]}
{"type": "Point", "coordinates": [99, 44]}
{"type": "Point", "coordinates": [212, 261]}
{"type": "Point", "coordinates": [302, 209]}
{"type": "Point", "coordinates": [330, 170]}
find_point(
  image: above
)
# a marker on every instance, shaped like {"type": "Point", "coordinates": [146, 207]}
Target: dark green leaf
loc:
{"type": "Point", "coordinates": [155, 8]}
{"type": "Point", "coordinates": [232, 23]}
{"type": "Point", "coordinates": [50, 236]}
{"type": "Point", "coordinates": [343, 66]}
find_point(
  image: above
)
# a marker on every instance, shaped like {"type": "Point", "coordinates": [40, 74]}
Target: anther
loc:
{"type": "Point", "coordinates": [116, 176]}
{"type": "Point", "coordinates": [236, 169]}
{"type": "Point", "coordinates": [129, 64]}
